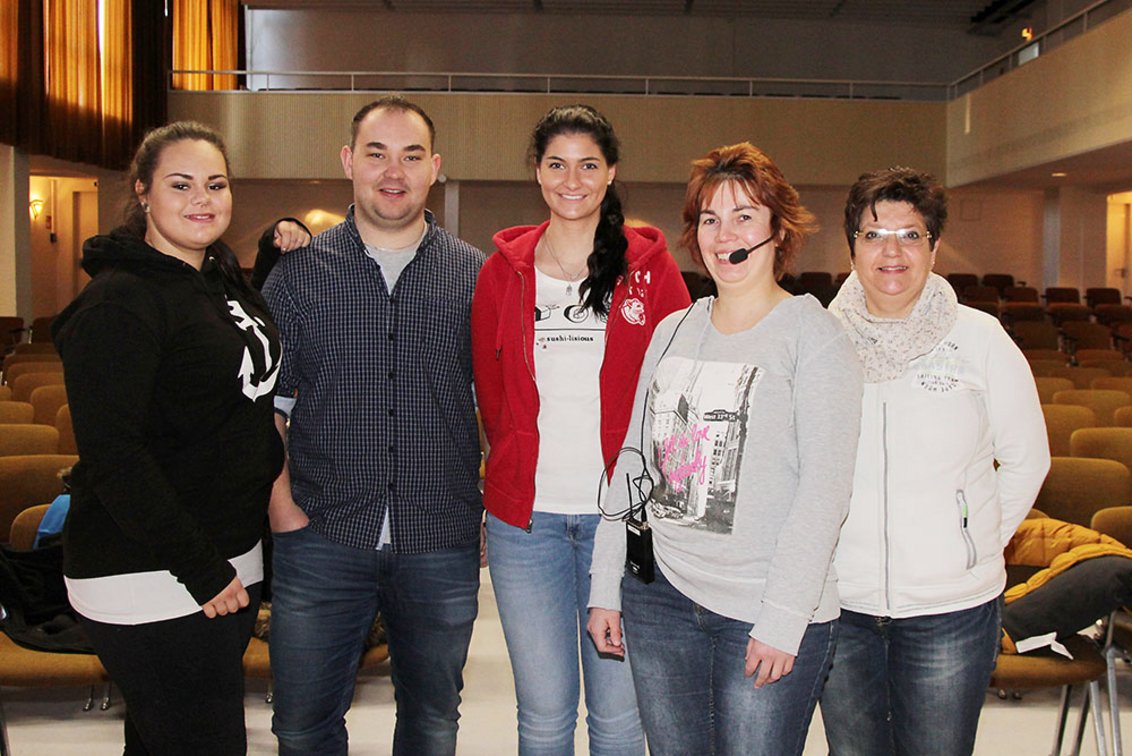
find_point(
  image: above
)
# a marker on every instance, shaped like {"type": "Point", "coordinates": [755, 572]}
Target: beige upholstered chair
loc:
{"type": "Point", "coordinates": [47, 400]}
{"type": "Point", "coordinates": [16, 412]}
{"type": "Point", "coordinates": [28, 480]}
{"type": "Point", "coordinates": [34, 439]}
{"type": "Point", "coordinates": [1077, 487]}
{"type": "Point", "coordinates": [1102, 401]}
{"type": "Point", "coordinates": [1061, 421]}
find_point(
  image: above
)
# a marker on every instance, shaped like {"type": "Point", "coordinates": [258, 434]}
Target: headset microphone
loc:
{"type": "Point", "coordinates": [740, 255]}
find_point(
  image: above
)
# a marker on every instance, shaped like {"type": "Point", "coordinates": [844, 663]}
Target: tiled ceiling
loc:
{"type": "Point", "coordinates": [957, 14]}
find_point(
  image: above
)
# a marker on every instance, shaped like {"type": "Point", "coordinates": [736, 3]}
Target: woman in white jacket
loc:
{"type": "Point", "coordinates": [919, 562]}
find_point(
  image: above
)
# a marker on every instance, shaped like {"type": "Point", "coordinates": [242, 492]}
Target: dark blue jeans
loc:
{"type": "Point", "coordinates": [688, 667]}
{"type": "Point", "coordinates": [910, 686]}
{"type": "Point", "coordinates": [325, 596]}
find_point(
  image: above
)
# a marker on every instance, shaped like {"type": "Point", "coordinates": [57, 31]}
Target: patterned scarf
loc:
{"type": "Point", "coordinates": [886, 346]}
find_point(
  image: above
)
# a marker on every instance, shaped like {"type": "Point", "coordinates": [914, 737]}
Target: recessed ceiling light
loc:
{"type": "Point", "coordinates": [1058, 174]}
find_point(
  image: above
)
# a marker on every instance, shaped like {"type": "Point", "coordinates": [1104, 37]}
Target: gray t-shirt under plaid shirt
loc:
{"type": "Point", "coordinates": [384, 415]}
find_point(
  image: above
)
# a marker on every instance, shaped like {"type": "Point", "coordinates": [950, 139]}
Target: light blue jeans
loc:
{"type": "Point", "coordinates": [542, 585]}
{"type": "Point", "coordinates": [910, 686]}
{"type": "Point", "coordinates": [689, 666]}
{"type": "Point", "coordinates": [325, 596]}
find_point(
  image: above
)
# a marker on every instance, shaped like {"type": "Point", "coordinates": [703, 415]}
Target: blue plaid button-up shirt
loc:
{"type": "Point", "coordinates": [384, 414]}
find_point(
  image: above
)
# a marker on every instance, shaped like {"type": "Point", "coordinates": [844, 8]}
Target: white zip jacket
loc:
{"type": "Point", "coordinates": [930, 514]}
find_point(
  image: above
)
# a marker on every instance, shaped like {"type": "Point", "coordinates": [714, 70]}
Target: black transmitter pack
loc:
{"type": "Point", "coordinates": [638, 551]}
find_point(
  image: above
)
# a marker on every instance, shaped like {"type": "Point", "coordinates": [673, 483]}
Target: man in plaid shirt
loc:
{"type": "Point", "coordinates": [378, 508]}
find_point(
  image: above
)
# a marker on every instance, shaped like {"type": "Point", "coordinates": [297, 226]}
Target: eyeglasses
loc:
{"type": "Point", "coordinates": [905, 237]}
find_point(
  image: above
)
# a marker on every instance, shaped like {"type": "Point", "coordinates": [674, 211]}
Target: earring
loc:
{"type": "Point", "coordinates": [145, 207]}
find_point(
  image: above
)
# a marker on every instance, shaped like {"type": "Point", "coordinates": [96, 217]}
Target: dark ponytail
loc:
{"type": "Point", "coordinates": [607, 261]}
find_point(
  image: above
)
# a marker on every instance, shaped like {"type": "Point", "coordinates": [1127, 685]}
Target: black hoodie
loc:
{"type": "Point", "coordinates": [170, 374]}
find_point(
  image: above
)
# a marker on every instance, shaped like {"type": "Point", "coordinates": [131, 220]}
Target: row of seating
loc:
{"type": "Point", "coordinates": [34, 415]}
{"type": "Point", "coordinates": [1029, 309]}
{"type": "Point", "coordinates": [996, 286]}
{"type": "Point", "coordinates": [1093, 424]}
{"type": "Point", "coordinates": [1038, 339]}
{"type": "Point", "coordinates": [1000, 281]}
{"type": "Point", "coordinates": [1090, 484]}
{"type": "Point", "coordinates": [996, 293]}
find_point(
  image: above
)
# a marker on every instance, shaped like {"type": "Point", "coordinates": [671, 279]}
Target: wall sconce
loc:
{"type": "Point", "coordinates": [36, 207]}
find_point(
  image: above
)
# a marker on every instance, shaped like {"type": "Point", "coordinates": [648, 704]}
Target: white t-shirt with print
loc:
{"type": "Point", "coordinates": [569, 347]}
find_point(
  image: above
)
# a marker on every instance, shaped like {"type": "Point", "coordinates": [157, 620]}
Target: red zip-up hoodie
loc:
{"type": "Point", "coordinates": [503, 330]}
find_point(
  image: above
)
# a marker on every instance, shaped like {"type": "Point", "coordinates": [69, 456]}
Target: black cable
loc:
{"type": "Point", "coordinates": [642, 496]}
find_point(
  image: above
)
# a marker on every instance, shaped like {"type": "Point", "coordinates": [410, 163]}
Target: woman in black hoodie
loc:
{"type": "Point", "coordinates": [170, 362]}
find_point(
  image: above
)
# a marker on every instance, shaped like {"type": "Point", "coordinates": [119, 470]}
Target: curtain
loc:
{"type": "Point", "coordinates": [72, 63]}
{"type": "Point", "coordinates": [150, 67]}
{"type": "Point", "coordinates": [117, 113]}
{"type": "Point", "coordinates": [21, 62]}
{"type": "Point", "coordinates": [67, 93]}
{"type": "Point", "coordinates": [205, 38]}
{"type": "Point", "coordinates": [9, 70]}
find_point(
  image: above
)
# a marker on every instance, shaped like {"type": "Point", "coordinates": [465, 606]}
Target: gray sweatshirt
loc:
{"type": "Point", "coordinates": [750, 440]}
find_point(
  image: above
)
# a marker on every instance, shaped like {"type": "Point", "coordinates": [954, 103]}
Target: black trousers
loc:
{"type": "Point", "coordinates": [182, 679]}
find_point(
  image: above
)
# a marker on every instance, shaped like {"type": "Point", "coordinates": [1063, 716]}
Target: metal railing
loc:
{"type": "Point", "coordinates": [518, 83]}
{"type": "Point", "coordinates": [698, 86]}
{"type": "Point", "coordinates": [1047, 41]}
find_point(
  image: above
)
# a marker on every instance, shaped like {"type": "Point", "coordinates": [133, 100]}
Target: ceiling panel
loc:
{"type": "Point", "coordinates": [953, 13]}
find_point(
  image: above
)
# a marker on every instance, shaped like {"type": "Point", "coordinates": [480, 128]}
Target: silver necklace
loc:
{"type": "Point", "coordinates": [570, 279]}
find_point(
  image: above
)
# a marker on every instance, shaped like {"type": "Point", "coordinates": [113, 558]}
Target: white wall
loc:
{"type": "Point", "coordinates": [1118, 241]}
{"type": "Point", "coordinates": [70, 215]}
{"type": "Point", "coordinates": [1071, 101]}
{"type": "Point", "coordinates": [15, 243]}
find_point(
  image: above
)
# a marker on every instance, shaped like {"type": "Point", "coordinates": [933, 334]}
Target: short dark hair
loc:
{"type": "Point", "coordinates": [392, 102]}
{"type": "Point", "coordinates": [898, 184]}
{"type": "Point", "coordinates": [763, 181]}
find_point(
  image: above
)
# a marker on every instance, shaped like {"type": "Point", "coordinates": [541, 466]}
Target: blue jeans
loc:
{"type": "Point", "coordinates": [689, 668]}
{"type": "Point", "coordinates": [542, 585]}
{"type": "Point", "coordinates": [325, 596]}
{"type": "Point", "coordinates": [910, 686]}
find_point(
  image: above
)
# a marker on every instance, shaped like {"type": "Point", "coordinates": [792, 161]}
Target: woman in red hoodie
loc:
{"type": "Point", "coordinates": [561, 318]}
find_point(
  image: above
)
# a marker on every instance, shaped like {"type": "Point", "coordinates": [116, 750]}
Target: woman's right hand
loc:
{"type": "Point", "coordinates": [604, 626]}
{"type": "Point", "coordinates": [229, 601]}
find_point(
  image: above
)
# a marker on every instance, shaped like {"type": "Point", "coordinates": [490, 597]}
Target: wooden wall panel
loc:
{"type": "Point", "coordinates": [484, 137]}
